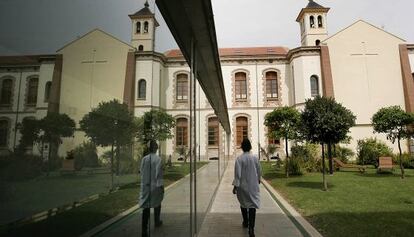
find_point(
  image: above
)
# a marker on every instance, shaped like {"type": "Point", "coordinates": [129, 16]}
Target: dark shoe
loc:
{"type": "Point", "coordinates": [251, 232]}
{"type": "Point", "coordinates": [158, 223]}
{"type": "Point", "coordinates": [245, 224]}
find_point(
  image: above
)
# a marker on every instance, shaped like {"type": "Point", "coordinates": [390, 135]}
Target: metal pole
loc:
{"type": "Point", "coordinates": [191, 136]}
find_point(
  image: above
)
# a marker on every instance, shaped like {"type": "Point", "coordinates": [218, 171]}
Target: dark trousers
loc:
{"type": "Point", "coordinates": [145, 218]}
{"type": "Point", "coordinates": [249, 216]}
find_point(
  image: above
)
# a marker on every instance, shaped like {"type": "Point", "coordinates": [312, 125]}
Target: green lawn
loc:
{"type": "Point", "coordinates": [81, 219]}
{"type": "Point", "coordinates": [22, 199]}
{"type": "Point", "coordinates": [356, 204]}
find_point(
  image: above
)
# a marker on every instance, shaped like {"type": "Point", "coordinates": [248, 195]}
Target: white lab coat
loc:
{"type": "Point", "coordinates": [247, 173]}
{"type": "Point", "coordinates": [152, 183]}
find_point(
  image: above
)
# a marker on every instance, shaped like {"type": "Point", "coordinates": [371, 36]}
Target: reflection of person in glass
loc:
{"type": "Point", "coordinates": [246, 182]}
{"type": "Point", "coordinates": [152, 187]}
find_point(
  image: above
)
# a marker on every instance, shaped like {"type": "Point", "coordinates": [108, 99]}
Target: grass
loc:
{"type": "Point", "coordinates": [81, 219]}
{"type": "Point", "coordinates": [22, 199]}
{"type": "Point", "coordinates": [356, 204]}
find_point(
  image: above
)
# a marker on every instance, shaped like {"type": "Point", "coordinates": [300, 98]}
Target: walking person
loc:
{"type": "Point", "coordinates": [152, 187]}
{"type": "Point", "coordinates": [247, 173]}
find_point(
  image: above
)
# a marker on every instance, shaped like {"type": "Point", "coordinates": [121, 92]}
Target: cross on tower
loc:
{"type": "Point", "coordinates": [93, 61]}
{"type": "Point", "coordinates": [365, 55]}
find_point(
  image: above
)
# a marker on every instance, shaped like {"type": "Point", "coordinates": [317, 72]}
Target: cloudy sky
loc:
{"type": "Point", "coordinates": [43, 26]}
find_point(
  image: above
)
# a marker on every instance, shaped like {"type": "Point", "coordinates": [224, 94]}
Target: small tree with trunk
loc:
{"type": "Point", "coordinates": [49, 129]}
{"type": "Point", "coordinates": [283, 123]}
{"type": "Point", "coordinates": [326, 122]}
{"type": "Point", "coordinates": [110, 124]}
{"type": "Point", "coordinates": [154, 125]}
{"type": "Point", "coordinates": [395, 123]}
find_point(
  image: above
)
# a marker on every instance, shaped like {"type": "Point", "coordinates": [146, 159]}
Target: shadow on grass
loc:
{"type": "Point", "coordinates": [378, 224]}
{"type": "Point", "coordinates": [270, 176]}
{"type": "Point", "coordinates": [309, 185]}
{"type": "Point", "coordinates": [383, 175]}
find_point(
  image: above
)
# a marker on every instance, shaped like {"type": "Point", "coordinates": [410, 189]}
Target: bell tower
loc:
{"type": "Point", "coordinates": [313, 24]}
{"type": "Point", "coordinates": [143, 29]}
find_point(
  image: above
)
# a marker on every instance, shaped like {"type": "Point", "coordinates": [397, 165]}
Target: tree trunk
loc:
{"type": "Point", "coordinates": [117, 159]}
{"type": "Point", "coordinates": [287, 157]}
{"type": "Point", "coordinates": [325, 184]}
{"type": "Point", "coordinates": [112, 166]}
{"type": "Point", "coordinates": [330, 158]}
{"type": "Point", "coordinates": [401, 165]}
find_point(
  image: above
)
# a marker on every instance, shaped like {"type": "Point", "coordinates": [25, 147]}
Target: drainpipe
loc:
{"type": "Point", "coordinates": [17, 110]}
{"type": "Point", "coordinates": [257, 110]}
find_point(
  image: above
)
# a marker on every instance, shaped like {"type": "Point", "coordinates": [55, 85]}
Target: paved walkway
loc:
{"type": "Point", "coordinates": [175, 212]}
{"type": "Point", "coordinates": [224, 218]}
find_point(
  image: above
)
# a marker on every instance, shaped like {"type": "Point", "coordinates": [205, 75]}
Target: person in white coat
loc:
{"type": "Point", "coordinates": [247, 173]}
{"type": "Point", "coordinates": [152, 187]}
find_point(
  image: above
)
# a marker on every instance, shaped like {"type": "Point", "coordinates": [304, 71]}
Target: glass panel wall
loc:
{"type": "Point", "coordinates": [105, 137]}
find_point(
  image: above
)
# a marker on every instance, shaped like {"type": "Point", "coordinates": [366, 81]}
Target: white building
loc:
{"type": "Point", "coordinates": [362, 66]}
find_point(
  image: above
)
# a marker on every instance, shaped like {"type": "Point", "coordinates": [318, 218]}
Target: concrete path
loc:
{"type": "Point", "coordinates": [224, 218]}
{"type": "Point", "coordinates": [175, 211]}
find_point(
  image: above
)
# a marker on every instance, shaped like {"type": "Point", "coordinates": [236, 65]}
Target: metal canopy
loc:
{"type": "Point", "coordinates": [192, 21]}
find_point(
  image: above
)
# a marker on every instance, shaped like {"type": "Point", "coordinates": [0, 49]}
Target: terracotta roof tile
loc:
{"type": "Point", "coordinates": [23, 60]}
{"type": "Point", "coordinates": [229, 52]}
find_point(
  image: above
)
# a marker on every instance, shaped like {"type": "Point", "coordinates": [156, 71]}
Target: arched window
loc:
{"type": "Point", "coordinates": [146, 26]}
{"type": "Point", "coordinates": [181, 134]}
{"type": "Point", "coordinates": [242, 127]}
{"type": "Point", "coordinates": [320, 21]}
{"type": "Point", "coordinates": [142, 89]}
{"type": "Point", "coordinates": [213, 131]}
{"type": "Point", "coordinates": [271, 85]}
{"type": "Point", "coordinates": [138, 25]}
{"type": "Point", "coordinates": [317, 42]}
{"type": "Point", "coordinates": [6, 92]}
{"type": "Point", "coordinates": [182, 87]}
{"type": "Point", "coordinates": [48, 88]}
{"type": "Point", "coordinates": [141, 48]}
{"type": "Point", "coordinates": [32, 91]}
{"type": "Point", "coordinates": [312, 21]}
{"type": "Point", "coordinates": [314, 82]}
{"type": "Point", "coordinates": [4, 132]}
{"type": "Point", "coordinates": [240, 86]}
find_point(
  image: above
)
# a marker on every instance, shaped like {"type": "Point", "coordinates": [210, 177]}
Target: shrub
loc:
{"type": "Point", "coordinates": [407, 160]}
{"type": "Point", "coordinates": [369, 150]}
{"type": "Point", "coordinates": [343, 153]}
{"type": "Point", "coordinates": [295, 166]}
{"type": "Point", "coordinates": [20, 167]}
{"type": "Point", "coordinates": [85, 155]}
{"type": "Point", "coordinates": [308, 154]}
{"type": "Point", "coordinates": [127, 164]}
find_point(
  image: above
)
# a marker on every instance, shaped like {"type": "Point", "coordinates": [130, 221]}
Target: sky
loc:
{"type": "Point", "coordinates": [44, 26]}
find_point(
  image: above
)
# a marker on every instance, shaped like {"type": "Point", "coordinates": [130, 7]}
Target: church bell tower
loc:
{"type": "Point", "coordinates": [143, 29]}
{"type": "Point", "coordinates": [313, 24]}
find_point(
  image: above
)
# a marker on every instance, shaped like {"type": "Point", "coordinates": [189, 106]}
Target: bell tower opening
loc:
{"type": "Point", "coordinates": [313, 23]}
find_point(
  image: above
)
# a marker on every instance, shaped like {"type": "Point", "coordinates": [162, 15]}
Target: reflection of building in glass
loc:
{"type": "Point", "coordinates": [358, 66]}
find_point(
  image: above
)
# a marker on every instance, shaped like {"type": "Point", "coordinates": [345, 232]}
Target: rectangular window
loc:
{"type": "Point", "coordinates": [181, 136]}
{"type": "Point", "coordinates": [182, 90]}
{"type": "Point", "coordinates": [241, 90]}
{"type": "Point", "coordinates": [271, 89]}
{"type": "Point", "coordinates": [213, 136]}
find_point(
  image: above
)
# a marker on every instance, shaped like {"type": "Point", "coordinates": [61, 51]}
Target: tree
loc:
{"type": "Point", "coordinates": [52, 128]}
{"type": "Point", "coordinates": [326, 122]}
{"type": "Point", "coordinates": [110, 124]}
{"type": "Point", "coordinates": [155, 125]}
{"type": "Point", "coordinates": [395, 123]}
{"type": "Point", "coordinates": [49, 129]}
{"type": "Point", "coordinates": [283, 123]}
{"type": "Point", "coordinates": [29, 131]}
